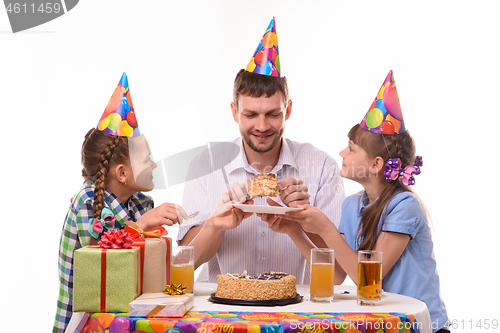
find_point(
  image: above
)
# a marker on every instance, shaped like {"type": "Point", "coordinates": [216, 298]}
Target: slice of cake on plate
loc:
{"type": "Point", "coordinates": [264, 184]}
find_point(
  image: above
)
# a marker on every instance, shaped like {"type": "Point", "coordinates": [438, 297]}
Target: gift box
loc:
{"type": "Point", "coordinates": [161, 305]}
{"type": "Point", "coordinates": [105, 280]}
{"type": "Point", "coordinates": [153, 264]}
{"type": "Point", "coordinates": [156, 253]}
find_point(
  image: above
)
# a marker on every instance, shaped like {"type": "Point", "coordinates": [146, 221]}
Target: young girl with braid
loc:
{"type": "Point", "coordinates": [387, 216]}
{"type": "Point", "coordinates": [116, 169]}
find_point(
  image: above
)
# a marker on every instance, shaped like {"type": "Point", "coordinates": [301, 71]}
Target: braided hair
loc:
{"type": "Point", "coordinates": [98, 150]}
{"type": "Point", "coordinates": [385, 146]}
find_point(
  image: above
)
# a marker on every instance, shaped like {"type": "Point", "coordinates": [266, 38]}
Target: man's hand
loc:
{"type": "Point", "coordinates": [293, 192]}
{"type": "Point", "coordinates": [227, 217]}
{"type": "Point", "coordinates": [237, 192]}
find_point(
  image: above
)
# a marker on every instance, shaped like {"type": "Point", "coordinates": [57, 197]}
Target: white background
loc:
{"type": "Point", "coordinates": [181, 59]}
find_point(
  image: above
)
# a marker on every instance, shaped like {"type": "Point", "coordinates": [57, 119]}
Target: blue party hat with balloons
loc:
{"type": "Point", "coordinates": [266, 59]}
{"type": "Point", "coordinates": [119, 116]}
{"type": "Point", "coordinates": [384, 115]}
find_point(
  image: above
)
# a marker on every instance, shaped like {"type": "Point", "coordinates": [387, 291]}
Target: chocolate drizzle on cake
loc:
{"type": "Point", "coordinates": [272, 276]}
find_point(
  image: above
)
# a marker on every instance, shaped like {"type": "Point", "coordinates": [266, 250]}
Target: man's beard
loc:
{"type": "Point", "coordinates": [252, 146]}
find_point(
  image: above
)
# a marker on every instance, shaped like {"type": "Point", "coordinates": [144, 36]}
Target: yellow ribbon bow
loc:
{"type": "Point", "coordinates": [174, 289]}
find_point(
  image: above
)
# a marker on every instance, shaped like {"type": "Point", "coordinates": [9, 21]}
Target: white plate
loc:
{"type": "Point", "coordinates": [265, 209]}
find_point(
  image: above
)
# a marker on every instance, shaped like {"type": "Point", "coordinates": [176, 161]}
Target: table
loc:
{"type": "Point", "coordinates": [397, 313]}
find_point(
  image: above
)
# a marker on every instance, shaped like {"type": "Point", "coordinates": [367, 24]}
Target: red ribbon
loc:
{"type": "Point", "coordinates": [121, 236]}
{"type": "Point", "coordinates": [116, 239]}
{"type": "Point", "coordinates": [138, 236]}
{"type": "Point", "coordinates": [112, 239]}
{"type": "Point", "coordinates": [103, 276]}
{"type": "Point", "coordinates": [103, 280]}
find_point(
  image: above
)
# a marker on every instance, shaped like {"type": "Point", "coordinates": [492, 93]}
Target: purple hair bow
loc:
{"type": "Point", "coordinates": [394, 170]}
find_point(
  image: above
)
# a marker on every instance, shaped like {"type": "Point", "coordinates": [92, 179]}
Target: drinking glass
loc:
{"type": "Point", "coordinates": [322, 275]}
{"type": "Point", "coordinates": [369, 277]}
{"type": "Point", "coordinates": [183, 267]}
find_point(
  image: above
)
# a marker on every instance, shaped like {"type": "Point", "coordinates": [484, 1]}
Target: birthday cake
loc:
{"type": "Point", "coordinates": [264, 184]}
{"type": "Point", "coordinates": [267, 286]}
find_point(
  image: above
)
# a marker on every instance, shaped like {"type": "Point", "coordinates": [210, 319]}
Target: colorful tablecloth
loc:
{"type": "Point", "coordinates": [262, 322]}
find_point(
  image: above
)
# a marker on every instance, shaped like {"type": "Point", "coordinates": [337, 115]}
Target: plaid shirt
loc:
{"type": "Point", "coordinates": [75, 235]}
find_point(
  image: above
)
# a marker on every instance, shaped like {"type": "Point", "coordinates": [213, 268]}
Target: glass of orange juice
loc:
{"type": "Point", "coordinates": [322, 275]}
{"type": "Point", "coordinates": [183, 267]}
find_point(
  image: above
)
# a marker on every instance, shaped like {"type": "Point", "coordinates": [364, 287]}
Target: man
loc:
{"type": "Point", "coordinates": [229, 239]}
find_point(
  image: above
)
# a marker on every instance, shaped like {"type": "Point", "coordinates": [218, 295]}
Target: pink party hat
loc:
{"type": "Point", "coordinates": [266, 59]}
{"type": "Point", "coordinates": [384, 115]}
{"type": "Point", "coordinates": [119, 116]}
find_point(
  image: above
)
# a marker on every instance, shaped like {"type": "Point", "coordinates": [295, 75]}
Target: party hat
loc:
{"type": "Point", "coordinates": [384, 115]}
{"type": "Point", "coordinates": [119, 116]}
{"type": "Point", "coordinates": [266, 59]}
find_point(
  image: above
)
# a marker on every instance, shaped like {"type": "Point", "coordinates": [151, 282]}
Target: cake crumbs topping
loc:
{"type": "Point", "coordinates": [264, 184]}
{"type": "Point", "coordinates": [268, 286]}
{"type": "Point", "coordinates": [243, 275]}
{"type": "Point", "coordinates": [264, 276]}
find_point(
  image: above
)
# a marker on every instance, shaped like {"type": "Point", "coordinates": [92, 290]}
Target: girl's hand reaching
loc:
{"type": "Point", "coordinates": [311, 219]}
{"type": "Point", "coordinates": [166, 213]}
{"type": "Point", "coordinates": [278, 223]}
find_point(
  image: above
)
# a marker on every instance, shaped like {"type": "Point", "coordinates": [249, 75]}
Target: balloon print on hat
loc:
{"type": "Point", "coordinates": [384, 115]}
{"type": "Point", "coordinates": [119, 116]}
{"type": "Point", "coordinates": [265, 60]}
